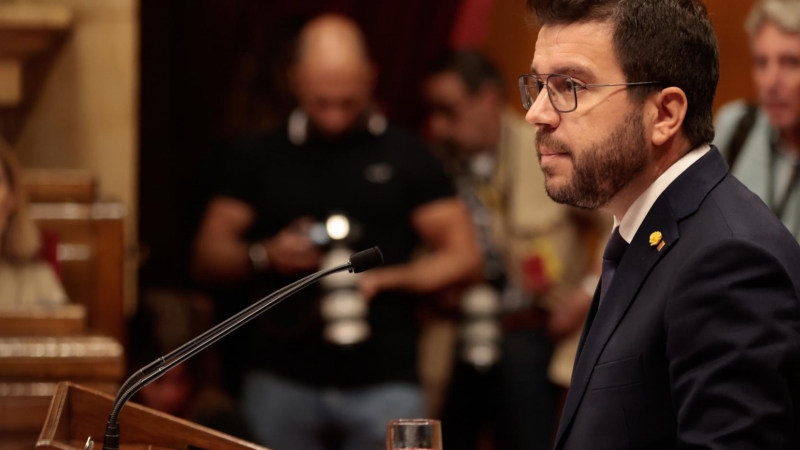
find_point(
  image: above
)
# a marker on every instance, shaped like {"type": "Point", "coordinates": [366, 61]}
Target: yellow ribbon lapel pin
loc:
{"type": "Point", "coordinates": [657, 239]}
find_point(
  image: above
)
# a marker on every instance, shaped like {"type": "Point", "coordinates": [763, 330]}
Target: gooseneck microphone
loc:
{"type": "Point", "coordinates": [359, 262]}
{"type": "Point", "coordinates": [365, 260]}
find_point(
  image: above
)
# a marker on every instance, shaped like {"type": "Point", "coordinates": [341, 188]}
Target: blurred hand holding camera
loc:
{"type": "Point", "coordinates": [291, 251]}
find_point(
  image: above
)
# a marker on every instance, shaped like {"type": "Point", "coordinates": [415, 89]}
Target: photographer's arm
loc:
{"type": "Point", "coordinates": [446, 228]}
{"type": "Point", "coordinates": [222, 254]}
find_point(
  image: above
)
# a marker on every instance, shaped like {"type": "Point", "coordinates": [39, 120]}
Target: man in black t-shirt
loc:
{"type": "Point", "coordinates": [301, 391]}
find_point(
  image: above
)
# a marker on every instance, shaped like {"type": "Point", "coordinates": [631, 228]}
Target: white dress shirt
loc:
{"type": "Point", "coordinates": [635, 215]}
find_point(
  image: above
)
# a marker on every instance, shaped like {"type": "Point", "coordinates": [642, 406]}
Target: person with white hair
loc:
{"type": "Point", "coordinates": [761, 140]}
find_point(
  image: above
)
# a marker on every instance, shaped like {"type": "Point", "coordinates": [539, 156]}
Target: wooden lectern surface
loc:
{"type": "Point", "coordinates": [78, 413]}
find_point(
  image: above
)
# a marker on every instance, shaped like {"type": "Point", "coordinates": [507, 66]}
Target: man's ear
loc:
{"type": "Point", "coordinates": [670, 111]}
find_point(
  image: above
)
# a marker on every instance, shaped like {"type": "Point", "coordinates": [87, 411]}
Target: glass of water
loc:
{"type": "Point", "coordinates": [414, 434]}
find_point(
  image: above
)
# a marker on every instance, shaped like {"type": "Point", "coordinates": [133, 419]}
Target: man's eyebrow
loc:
{"type": "Point", "coordinates": [573, 71]}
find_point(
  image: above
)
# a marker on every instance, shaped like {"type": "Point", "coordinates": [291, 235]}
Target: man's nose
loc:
{"type": "Point", "coordinates": [542, 114]}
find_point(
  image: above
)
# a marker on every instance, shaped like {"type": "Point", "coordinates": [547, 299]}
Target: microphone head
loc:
{"type": "Point", "coordinates": [366, 259]}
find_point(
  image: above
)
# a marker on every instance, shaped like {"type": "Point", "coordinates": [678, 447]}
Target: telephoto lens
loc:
{"type": "Point", "coordinates": [342, 306]}
{"type": "Point", "coordinates": [480, 330]}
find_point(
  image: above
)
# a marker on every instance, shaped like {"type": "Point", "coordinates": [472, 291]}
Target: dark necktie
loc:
{"type": "Point", "coordinates": [615, 248]}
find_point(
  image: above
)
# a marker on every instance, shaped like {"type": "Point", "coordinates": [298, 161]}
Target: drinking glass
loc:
{"type": "Point", "coordinates": [414, 434]}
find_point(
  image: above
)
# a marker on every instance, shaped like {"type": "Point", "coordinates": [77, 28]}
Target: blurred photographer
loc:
{"type": "Point", "coordinates": [337, 156]}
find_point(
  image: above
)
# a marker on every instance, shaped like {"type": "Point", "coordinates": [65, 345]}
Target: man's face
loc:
{"type": "Point", "coordinates": [588, 155]}
{"type": "Point", "coordinates": [776, 71]}
{"type": "Point", "coordinates": [458, 118]}
{"type": "Point", "coordinates": [334, 99]}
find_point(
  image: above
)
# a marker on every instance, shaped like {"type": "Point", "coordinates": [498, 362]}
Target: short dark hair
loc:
{"type": "Point", "coordinates": [471, 66]}
{"type": "Point", "coordinates": [668, 41]}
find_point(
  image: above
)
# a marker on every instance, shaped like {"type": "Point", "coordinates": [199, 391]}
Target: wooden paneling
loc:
{"type": "Point", "coordinates": [23, 414]}
{"type": "Point", "coordinates": [511, 44]}
{"type": "Point", "coordinates": [91, 255]}
{"type": "Point", "coordinates": [28, 31]}
{"type": "Point", "coordinates": [23, 411]}
{"type": "Point", "coordinates": [78, 358]}
{"type": "Point", "coordinates": [23, 406]}
{"type": "Point", "coordinates": [52, 186]}
{"type": "Point", "coordinates": [40, 347]}
{"type": "Point", "coordinates": [30, 367]}
{"type": "Point", "coordinates": [85, 115]}
{"type": "Point", "coordinates": [65, 320]}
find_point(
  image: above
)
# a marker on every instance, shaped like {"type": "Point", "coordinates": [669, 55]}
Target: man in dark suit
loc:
{"type": "Point", "coordinates": [693, 338]}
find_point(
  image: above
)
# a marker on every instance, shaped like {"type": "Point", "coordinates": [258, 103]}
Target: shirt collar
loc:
{"type": "Point", "coordinates": [638, 210]}
{"type": "Point", "coordinates": [298, 125]}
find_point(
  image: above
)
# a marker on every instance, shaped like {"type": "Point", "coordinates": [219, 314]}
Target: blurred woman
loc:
{"type": "Point", "coordinates": [25, 280]}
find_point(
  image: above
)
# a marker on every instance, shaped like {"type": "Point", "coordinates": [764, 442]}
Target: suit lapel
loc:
{"type": "Point", "coordinates": [587, 325]}
{"type": "Point", "coordinates": [682, 198]}
{"type": "Point", "coordinates": [635, 266]}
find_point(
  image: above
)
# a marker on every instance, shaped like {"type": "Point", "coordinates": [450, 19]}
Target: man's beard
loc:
{"type": "Point", "coordinates": [602, 171]}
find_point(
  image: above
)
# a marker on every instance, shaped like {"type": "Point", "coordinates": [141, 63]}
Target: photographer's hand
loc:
{"type": "Point", "coordinates": [291, 251]}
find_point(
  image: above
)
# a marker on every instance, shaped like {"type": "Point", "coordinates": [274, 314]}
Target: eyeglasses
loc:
{"type": "Point", "coordinates": [562, 90]}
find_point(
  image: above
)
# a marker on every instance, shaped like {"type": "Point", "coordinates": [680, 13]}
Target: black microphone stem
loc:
{"type": "Point", "coordinates": [141, 378]}
{"type": "Point", "coordinates": [163, 359]}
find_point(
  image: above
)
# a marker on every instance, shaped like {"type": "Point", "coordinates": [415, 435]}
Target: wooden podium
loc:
{"type": "Point", "coordinates": [78, 413]}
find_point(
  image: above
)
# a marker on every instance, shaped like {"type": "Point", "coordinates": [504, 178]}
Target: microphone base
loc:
{"type": "Point", "coordinates": [111, 438]}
